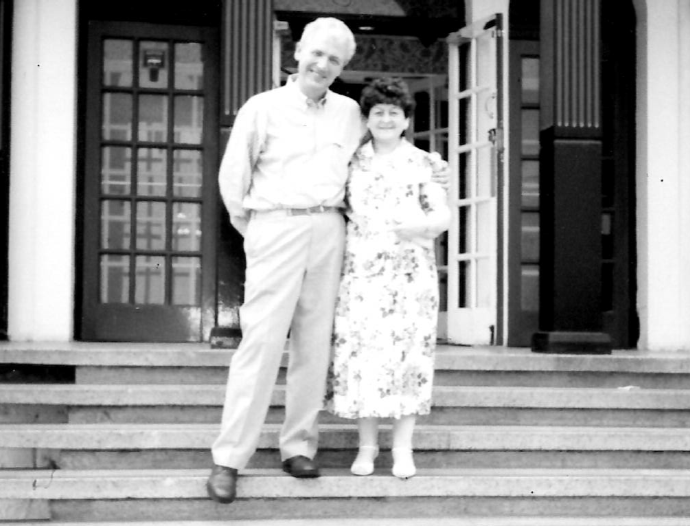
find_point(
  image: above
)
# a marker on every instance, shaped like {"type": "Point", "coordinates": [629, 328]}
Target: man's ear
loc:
{"type": "Point", "coordinates": [298, 51]}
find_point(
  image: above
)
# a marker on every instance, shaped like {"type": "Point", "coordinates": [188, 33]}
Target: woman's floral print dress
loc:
{"type": "Point", "coordinates": [385, 319]}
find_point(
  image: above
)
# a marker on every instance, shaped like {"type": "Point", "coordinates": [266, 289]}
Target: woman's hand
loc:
{"type": "Point", "coordinates": [441, 170]}
{"type": "Point", "coordinates": [409, 230]}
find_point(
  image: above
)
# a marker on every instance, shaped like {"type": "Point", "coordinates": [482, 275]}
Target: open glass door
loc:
{"type": "Point", "coordinates": [475, 157]}
{"type": "Point", "coordinates": [429, 131]}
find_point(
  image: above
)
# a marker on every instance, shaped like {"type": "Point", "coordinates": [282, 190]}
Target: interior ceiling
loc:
{"type": "Point", "coordinates": [427, 20]}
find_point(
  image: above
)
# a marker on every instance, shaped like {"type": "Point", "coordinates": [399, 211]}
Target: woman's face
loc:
{"type": "Point", "coordinates": [387, 122]}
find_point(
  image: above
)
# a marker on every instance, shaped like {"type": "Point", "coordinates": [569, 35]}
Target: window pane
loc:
{"type": "Point", "coordinates": [114, 279]}
{"type": "Point", "coordinates": [186, 282]}
{"type": "Point", "coordinates": [189, 118]}
{"type": "Point", "coordinates": [485, 227]}
{"type": "Point", "coordinates": [116, 224]}
{"type": "Point", "coordinates": [117, 63]}
{"type": "Point", "coordinates": [153, 118]}
{"type": "Point", "coordinates": [465, 176]}
{"type": "Point", "coordinates": [154, 64]}
{"type": "Point", "coordinates": [152, 173]}
{"type": "Point", "coordinates": [150, 280]}
{"type": "Point", "coordinates": [485, 174]}
{"type": "Point", "coordinates": [150, 225]}
{"type": "Point", "coordinates": [607, 239]}
{"type": "Point", "coordinates": [530, 184]}
{"type": "Point", "coordinates": [464, 284]}
{"type": "Point", "coordinates": [189, 71]}
{"type": "Point", "coordinates": [530, 288]}
{"type": "Point", "coordinates": [530, 132]}
{"type": "Point", "coordinates": [187, 173]}
{"type": "Point", "coordinates": [117, 117]}
{"type": "Point", "coordinates": [464, 230]}
{"type": "Point", "coordinates": [530, 80]}
{"type": "Point", "coordinates": [116, 170]}
{"type": "Point", "coordinates": [186, 227]}
{"type": "Point", "coordinates": [530, 237]}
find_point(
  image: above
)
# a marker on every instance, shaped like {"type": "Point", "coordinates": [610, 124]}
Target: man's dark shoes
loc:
{"type": "Point", "coordinates": [301, 467]}
{"type": "Point", "coordinates": [222, 484]}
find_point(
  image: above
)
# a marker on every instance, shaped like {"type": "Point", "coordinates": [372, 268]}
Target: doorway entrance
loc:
{"type": "Point", "coordinates": [149, 192]}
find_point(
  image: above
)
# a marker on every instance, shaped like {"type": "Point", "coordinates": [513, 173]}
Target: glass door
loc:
{"type": "Point", "coordinates": [429, 131]}
{"type": "Point", "coordinates": [476, 161]}
{"type": "Point", "coordinates": [149, 183]}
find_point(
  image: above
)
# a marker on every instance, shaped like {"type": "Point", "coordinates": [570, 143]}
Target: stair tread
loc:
{"type": "Point", "coordinates": [427, 437]}
{"type": "Point", "coordinates": [336, 483]}
{"type": "Point", "coordinates": [443, 396]}
{"type": "Point", "coordinates": [448, 356]}
{"type": "Point", "coordinates": [447, 521]}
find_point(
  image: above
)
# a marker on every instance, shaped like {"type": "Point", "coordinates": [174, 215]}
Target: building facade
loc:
{"type": "Point", "coordinates": [564, 123]}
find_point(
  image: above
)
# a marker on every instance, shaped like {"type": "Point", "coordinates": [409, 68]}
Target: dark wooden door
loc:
{"type": "Point", "coordinates": [150, 166]}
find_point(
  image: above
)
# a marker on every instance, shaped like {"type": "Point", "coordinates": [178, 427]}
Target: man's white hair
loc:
{"type": "Point", "coordinates": [334, 27]}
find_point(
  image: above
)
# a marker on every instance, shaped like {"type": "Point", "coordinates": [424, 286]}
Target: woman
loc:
{"type": "Point", "coordinates": [385, 324]}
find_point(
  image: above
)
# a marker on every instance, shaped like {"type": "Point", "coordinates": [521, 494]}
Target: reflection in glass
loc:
{"type": "Point", "coordinates": [530, 80]}
{"type": "Point", "coordinates": [116, 224]}
{"type": "Point", "coordinates": [149, 287]}
{"type": "Point", "coordinates": [530, 288]}
{"type": "Point", "coordinates": [117, 117]}
{"type": "Point", "coordinates": [117, 63]}
{"type": "Point", "coordinates": [154, 64]}
{"type": "Point", "coordinates": [530, 132]}
{"type": "Point", "coordinates": [530, 237]}
{"type": "Point", "coordinates": [189, 70]}
{"type": "Point", "coordinates": [116, 170]}
{"type": "Point", "coordinates": [114, 278]}
{"type": "Point", "coordinates": [186, 281]}
{"type": "Point", "coordinates": [152, 173]}
{"type": "Point", "coordinates": [187, 173]}
{"type": "Point", "coordinates": [153, 118]}
{"type": "Point", "coordinates": [150, 225]}
{"type": "Point", "coordinates": [465, 124]}
{"type": "Point", "coordinates": [186, 227]}
{"type": "Point", "coordinates": [189, 119]}
{"type": "Point", "coordinates": [530, 184]}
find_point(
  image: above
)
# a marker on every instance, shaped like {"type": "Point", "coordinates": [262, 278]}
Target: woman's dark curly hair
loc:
{"type": "Point", "coordinates": [387, 90]}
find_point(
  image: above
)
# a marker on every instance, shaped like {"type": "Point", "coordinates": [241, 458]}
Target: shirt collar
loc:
{"type": "Point", "coordinates": [299, 97]}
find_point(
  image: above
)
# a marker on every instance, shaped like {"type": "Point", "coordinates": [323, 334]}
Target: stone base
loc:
{"type": "Point", "coordinates": [571, 342]}
{"type": "Point", "coordinates": [225, 337]}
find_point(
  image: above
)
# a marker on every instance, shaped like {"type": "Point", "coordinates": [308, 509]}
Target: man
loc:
{"type": "Point", "coordinates": [282, 180]}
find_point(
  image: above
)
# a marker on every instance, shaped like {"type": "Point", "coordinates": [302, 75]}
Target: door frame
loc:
{"type": "Point", "coordinates": [89, 319]}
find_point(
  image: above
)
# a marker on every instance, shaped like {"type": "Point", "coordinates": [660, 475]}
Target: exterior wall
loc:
{"type": "Point", "coordinates": [663, 181]}
{"type": "Point", "coordinates": [42, 170]}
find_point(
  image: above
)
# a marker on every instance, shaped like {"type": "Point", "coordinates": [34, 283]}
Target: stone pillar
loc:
{"type": "Point", "coordinates": [570, 167]}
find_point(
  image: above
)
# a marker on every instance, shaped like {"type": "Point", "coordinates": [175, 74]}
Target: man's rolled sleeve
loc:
{"type": "Point", "coordinates": [238, 162]}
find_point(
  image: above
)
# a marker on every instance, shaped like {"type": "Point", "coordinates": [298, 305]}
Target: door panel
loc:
{"type": "Point", "coordinates": [475, 131]}
{"type": "Point", "coordinates": [149, 183]}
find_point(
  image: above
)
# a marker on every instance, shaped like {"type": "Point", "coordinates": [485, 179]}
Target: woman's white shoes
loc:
{"type": "Point", "coordinates": [403, 463]}
{"type": "Point", "coordinates": [364, 463]}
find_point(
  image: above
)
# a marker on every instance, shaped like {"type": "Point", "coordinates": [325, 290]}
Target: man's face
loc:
{"type": "Point", "coordinates": [320, 59]}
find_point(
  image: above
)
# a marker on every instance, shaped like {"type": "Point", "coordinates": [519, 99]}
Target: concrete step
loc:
{"type": "Point", "coordinates": [128, 446]}
{"type": "Point", "coordinates": [454, 521]}
{"type": "Point", "coordinates": [266, 494]}
{"type": "Point", "coordinates": [470, 405]}
{"type": "Point", "coordinates": [443, 396]}
{"type": "Point", "coordinates": [185, 363]}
